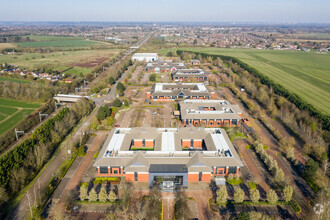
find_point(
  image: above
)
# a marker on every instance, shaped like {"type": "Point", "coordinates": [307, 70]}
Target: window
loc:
{"type": "Point", "coordinates": [232, 170]}
{"type": "Point", "coordinates": [135, 176]}
{"type": "Point", "coordinates": [234, 121]}
{"type": "Point", "coordinates": [115, 171]}
{"type": "Point", "coordinates": [104, 170]}
{"type": "Point", "coordinates": [200, 176]}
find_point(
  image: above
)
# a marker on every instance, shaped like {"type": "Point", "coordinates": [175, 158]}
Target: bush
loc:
{"type": "Point", "coordinates": [152, 77]}
{"type": "Point", "coordinates": [117, 103]}
{"type": "Point", "coordinates": [295, 206]}
{"type": "Point", "coordinates": [234, 181]}
{"type": "Point", "coordinates": [101, 180]}
{"type": "Point", "coordinates": [253, 185]}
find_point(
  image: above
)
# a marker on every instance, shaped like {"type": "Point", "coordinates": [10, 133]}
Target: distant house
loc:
{"type": "Point", "coordinates": [163, 67]}
{"type": "Point", "coordinates": [195, 62]}
{"type": "Point", "coordinates": [68, 80]}
{"type": "Point", "coordinates": [145, 57]}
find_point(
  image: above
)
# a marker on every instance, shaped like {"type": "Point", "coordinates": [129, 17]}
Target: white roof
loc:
{"type": "Point", "coordinates": [168, 142]}
{"type": "Point", "coordinates": [116, 142]}
{"type": "Point", "coordinates": [219, 142]}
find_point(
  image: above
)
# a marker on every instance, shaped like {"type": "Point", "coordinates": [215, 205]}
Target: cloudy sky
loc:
{"type": "Point", "coordinates": [279, 11]}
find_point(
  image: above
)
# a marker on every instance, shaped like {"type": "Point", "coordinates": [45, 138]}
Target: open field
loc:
{"type": "Point", "coordinates": [83, 61]}
{"type": "Point", "coordinates": [60, 43]}
{"type": "Point", "coordinates": [52, 38]}
{"type": "Point", "coordinates": [12, 112]}
{"type": "Point", "coordinates": [14, 80]}
{"type": "Point", "coordinates": [7, 45]}
{"type": "Point", "coordinates": [305, 74]}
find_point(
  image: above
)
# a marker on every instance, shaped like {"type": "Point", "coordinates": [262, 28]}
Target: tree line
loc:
{"type": "Point", "coordinates": [20, 166]}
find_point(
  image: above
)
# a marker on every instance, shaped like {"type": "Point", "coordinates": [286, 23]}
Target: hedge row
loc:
{"type": "Point", "coordinates": [278, 89]}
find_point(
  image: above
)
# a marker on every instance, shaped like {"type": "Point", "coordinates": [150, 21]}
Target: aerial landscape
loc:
{"type": "Point", "coordinates": [165, 110]}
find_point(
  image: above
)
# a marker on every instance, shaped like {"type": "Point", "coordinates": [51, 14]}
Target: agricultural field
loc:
{"type": "Point", "coordinates": [12, 112]}
{"type": "Point", "coordinates": [61, 43]}
{"type": "Point", "coordinates": [305, 74]}
{"type": "Point", "coordinates": [7, 45]}
{"type": "Point", "coordinates": [82, 61]}
{"type": "Point", "coordinates": [14, 80]}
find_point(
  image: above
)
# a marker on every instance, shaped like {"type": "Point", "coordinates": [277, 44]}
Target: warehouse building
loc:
{"type": "Point", "coordinates": [168, 92]}
{"type": "Point", "coordinates": [167, 157]}
{"type": "Point", "coordinates": [210, 113]}
{"type": "Point", "coordinates": [145, 57]}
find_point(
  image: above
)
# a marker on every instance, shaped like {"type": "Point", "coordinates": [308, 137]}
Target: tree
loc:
{"type": "Point", "coordinates": [170, 54]}
{"type": "Point", "coordinates": [287, 193]}
{"type": "Point", "coordinates": [103, 196]}
{"type": "Point", "coordinates": [154, 203]}
{"type": "Point", "coordinates": [117, 103]}
{"type": "Point", "coordinates": [222, 195]}
{"type": "Point", "coordinates": [120, 88]}
{"type": "Point", "coordinates": [92, 197]}
{"type": "Point", "coordinates": [239, 195]}
{"type": "Point", "coordinates": [279, 175]}
{"type": "Point", "coordinates": [272, 196]}
{"type": "Point", "coordinates": [195, 41]}
{"type": "Point", "coordinates": [254, 195]}
{"type": "Point", "coordinates": [310, 169]}
{"type": "Point", "coordinates": [83, 193]}
{"type": "Point", "coordinates": [112, 80]}
{"type": "Point", "coordinates": [112, 196]}
{"type": "Point", "coordinates": [152, 77]}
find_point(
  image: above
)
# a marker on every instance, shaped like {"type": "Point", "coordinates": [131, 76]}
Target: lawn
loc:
{"type": "Point", "coordinates": [12, 112]}
{"type": "Point", "coordinates": [60, 43]}
{"type": "Point", "coordinates": [82, 61]}
{"type": "Point", "coordinates": [305, 74]}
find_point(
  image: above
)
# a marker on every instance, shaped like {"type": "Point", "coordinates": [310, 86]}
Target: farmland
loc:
{"type": "Point", "coordinates": [82, 61]}
{"type": "Point", "coordinates": [7, 45]}
{"type": "Point", "coordinates": [305, 74]}
{"type": "Point", "coordinates": [12, 112]}
{"type": "Point", "coordinates": [14, 80]}
{"type": "Point", "coordinates": [60, 43]}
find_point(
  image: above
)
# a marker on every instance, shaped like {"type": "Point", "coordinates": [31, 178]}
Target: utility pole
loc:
{"type": "Point", "coordinates": [40, 115]}
{"type": "Point", "coordinates": [18, 132]}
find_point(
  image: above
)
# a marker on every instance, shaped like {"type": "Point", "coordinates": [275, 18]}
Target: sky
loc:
{"type": "Point", "coordinates": [274, 11]}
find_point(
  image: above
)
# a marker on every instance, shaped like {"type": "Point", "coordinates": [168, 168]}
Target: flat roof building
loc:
{"type": "Point", "coordinates": [168, 92]}
{"type": "Point", "coordinates": [145, 57]}
{"type": "Point", "coordinates": [163, 67]}
{"type": "Point", "coordinates": [189, 75]}
{"type": "Point", "coordinates": [209, 113]}
{"type": "Point", "coordinates": [167, 156]}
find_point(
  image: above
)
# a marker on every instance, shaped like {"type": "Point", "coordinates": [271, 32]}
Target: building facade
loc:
{"type": "Point", "coordinates": [167, 157]}
{"type": "Point", "coordinates": [185, 75]}
{"type": "Point", "coordinates": [209, 113]}
{"type": "Point", "coordinates": [168, 92]}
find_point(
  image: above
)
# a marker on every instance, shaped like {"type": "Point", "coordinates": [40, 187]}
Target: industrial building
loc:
{"type": "Point", "coordinates": [167, 157]}
{"type": "Point", "coordinates": [145, 57]}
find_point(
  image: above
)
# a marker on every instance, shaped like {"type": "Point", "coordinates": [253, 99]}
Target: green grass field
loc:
{"type": "Point", "coordinates": [52, 38]}
{"type": "Point", "coordinates": [60, 43]}
{"type": "Point", "coordinates": [14, 80]}
{"type": "Point", "coordinates": [12, 112]}
{"type": "Point", "coordinates": [305, 74]}
{"type": "Point", "coordinates": [83, 61]}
